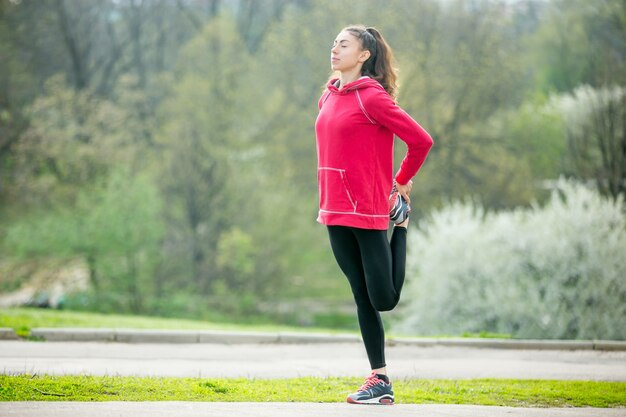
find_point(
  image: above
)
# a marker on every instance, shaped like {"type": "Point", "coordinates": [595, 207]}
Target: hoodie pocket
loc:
{"type": "Point", "coordinates": [335, 192]}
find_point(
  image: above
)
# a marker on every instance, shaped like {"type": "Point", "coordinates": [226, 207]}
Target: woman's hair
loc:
{"type": "Point", "coordinates": [379, 65]}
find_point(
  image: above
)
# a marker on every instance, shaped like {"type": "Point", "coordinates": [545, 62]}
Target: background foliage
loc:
{"type": "Point", "coordinates": [554, 272]}
{"type": "Point", "coordinates": [167, 147]}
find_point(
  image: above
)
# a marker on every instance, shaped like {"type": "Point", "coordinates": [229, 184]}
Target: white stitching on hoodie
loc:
{"type": "Point", "coordinates": [342, 174]}
{"type": "Point", "coordinates": [354, 213]}
{"type": "Point", "coordinates": [358, 97]}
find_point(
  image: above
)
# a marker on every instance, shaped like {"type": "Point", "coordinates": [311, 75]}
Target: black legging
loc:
{"type": "Point", "coordinates": [375, 270]}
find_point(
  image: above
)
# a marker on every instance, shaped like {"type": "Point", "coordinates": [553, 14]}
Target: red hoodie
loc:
{"type": "Point", "coordinates": [355, 130]}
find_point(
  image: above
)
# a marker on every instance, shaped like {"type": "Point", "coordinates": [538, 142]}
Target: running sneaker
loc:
{"type": "Point", "coordinates": [373, 391]}
{"type": "Point", "coordinates": [399, 209]}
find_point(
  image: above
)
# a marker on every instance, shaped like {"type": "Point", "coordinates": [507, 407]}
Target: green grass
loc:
{"type": "Point", "coordinates": [501, 392]}
{"type": "Point", "coordinates": [24, 319]}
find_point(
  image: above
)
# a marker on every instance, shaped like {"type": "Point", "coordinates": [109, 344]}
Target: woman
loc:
{"type": "Point", "coordinates": [358, 192]}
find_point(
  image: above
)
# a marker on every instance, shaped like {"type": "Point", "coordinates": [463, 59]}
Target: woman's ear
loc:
{"type": "Point", "coordinates": [364, 56]}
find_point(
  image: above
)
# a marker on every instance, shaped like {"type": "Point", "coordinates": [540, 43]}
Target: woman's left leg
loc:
{"type": "Point", "coordinates": [345, 247]}
{"type": "Point", "coordinates": [383, 264]}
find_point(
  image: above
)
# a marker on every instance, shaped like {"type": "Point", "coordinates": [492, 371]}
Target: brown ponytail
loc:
{"type": "Point", "coordinates": [379, 65]}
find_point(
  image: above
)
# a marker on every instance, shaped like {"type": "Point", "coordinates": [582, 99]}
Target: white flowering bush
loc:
{"type": "Point", "coordinates": [557, 271]}
{"type": "Point", "coordinates": [582, 104]}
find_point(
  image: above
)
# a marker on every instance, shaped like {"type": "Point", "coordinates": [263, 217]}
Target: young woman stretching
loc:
{"type": "Point", "coordinates": [358, 191]}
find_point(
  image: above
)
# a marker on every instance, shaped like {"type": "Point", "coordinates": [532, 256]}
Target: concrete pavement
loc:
{"type": "Point", "coordinates": [190, 409]}
{"type": "Point", "coordinates": [317, 357]}
{"type": "Point", "coordinates": [276, 360]}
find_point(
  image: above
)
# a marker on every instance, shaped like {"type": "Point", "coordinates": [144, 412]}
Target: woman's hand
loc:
{"type": "Point", "coordinates": [405, 190]}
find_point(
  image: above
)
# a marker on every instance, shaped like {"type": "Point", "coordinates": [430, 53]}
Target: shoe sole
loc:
{"type": "Point", "coordinates": [382, 400]}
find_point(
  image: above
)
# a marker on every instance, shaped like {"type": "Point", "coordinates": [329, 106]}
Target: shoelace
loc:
{"type": "Point", "coordinates": [394, 189]}
{"type": "Point", "coordinates": [370, 381]}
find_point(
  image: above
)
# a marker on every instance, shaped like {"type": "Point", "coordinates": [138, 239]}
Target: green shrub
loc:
{"type": "Point", "coordinates": [545, 272]}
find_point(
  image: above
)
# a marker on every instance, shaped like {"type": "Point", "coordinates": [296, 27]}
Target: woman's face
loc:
{"type": "Point", "coordinates": [347, 53]}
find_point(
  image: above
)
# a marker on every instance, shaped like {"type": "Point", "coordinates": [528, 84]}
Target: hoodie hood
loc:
{"type": "Point", "coordinates": [361, 83]}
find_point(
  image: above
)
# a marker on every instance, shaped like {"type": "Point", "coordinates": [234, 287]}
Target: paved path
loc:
{"type": "Point", "coordinates": [190, 409]}
{"type": "Point", "coordinates": [294, 360]}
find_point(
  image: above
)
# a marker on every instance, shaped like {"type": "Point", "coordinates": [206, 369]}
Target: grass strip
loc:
{"type": "Point", "coordinates": [22, 320]}
{"type": "Point", "coordinates": [500, 392]}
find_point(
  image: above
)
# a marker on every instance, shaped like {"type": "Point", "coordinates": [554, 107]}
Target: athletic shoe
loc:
{"type": "Point", "coordinates": [399, 209]}
{"type": "Point", "coordinates": [373, 391]}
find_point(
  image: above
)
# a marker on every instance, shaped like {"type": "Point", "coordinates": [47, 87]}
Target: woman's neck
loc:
{"type": "Point", "coordinates": [346, 77]}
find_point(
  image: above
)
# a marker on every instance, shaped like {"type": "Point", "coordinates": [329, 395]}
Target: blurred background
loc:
{"type": "Point", "coordinates": [157, 157]}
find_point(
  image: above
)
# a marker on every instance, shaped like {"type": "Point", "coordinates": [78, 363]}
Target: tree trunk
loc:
{"type": "Point", "coordinates": [76, 53]}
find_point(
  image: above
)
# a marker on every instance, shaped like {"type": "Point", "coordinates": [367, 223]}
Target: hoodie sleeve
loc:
{"type": "Point", "coordinates": [383, 110]}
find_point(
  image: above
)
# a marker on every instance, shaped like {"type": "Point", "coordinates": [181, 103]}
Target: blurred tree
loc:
{"type": "Point", "coordinates": [71, 140]}
{"type": "Point", "coordinates": [123, 223]}
{"type": "Point", "coordinates": [255, 18]}
{"type": "Point", "coordinates": [115, 226]}
{"type": "Point", "coordinates": [236, 257]}
{"type": "Point", "coordinates": [16, 89]}
{"type": "Point", "coordinates": [464, 64]}
{"type": "Point", "coordinates": [581, 42]}
{"type": "Point", "coordinates": [86, 45]}
{"type": "Point", "coordinates": [526, 148]}
{"type": "Point", "coordinates": [203, 134]}
{"type": "Point", "coordinates": [596, 136]}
